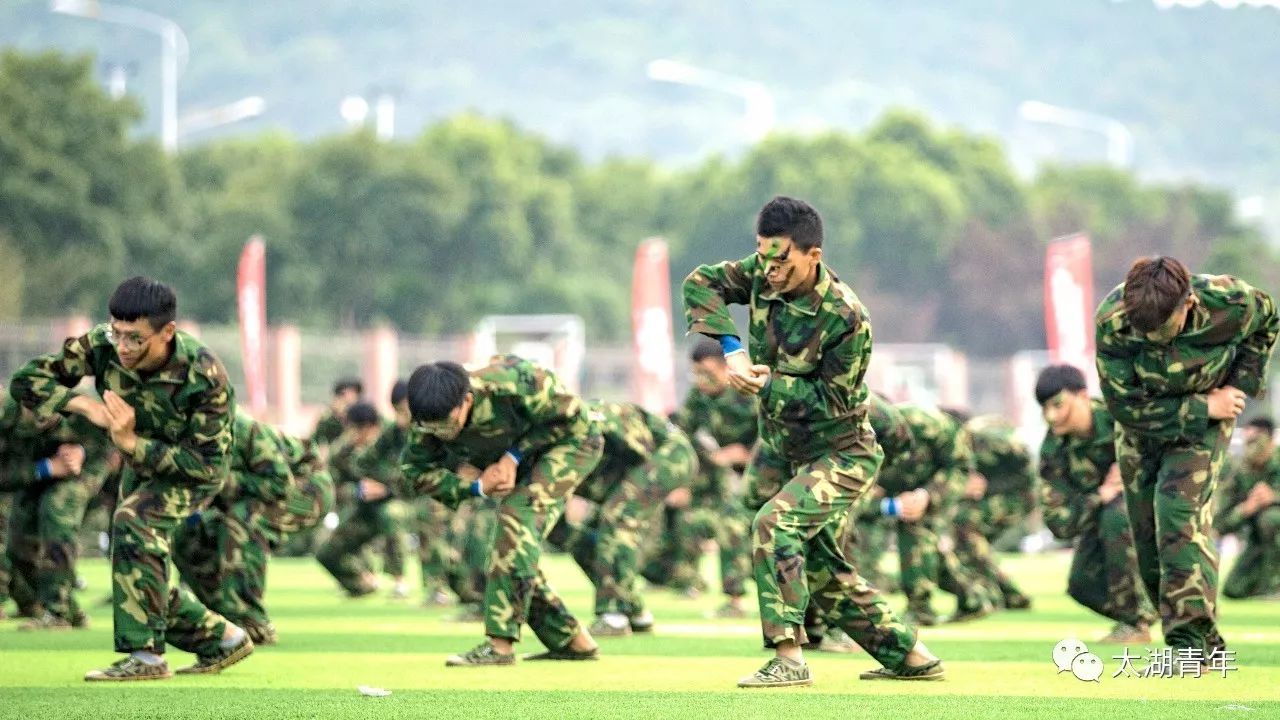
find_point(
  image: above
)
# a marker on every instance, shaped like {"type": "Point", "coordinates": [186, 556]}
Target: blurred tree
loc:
{"type": "Point", "coordinates": [82, 202]}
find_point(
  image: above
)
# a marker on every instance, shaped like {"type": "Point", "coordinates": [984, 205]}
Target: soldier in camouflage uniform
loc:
{"type": "Point", "coordinates": [810, 340]}
{"type": "Point", "coordinates": [469, 538]}
{"type": "Point", "coordinates": [722, 424]}
{"type": "Point", "coordinates": [46, 519]}
{"type": "Point", "coordinates": [277, 485]}
{"type": "Point", "coordinates": [536, 442]}
{"type": "Point", "coordinates": [332, 423]}
{"type": "Point", "coordinates": [369, 461]}
{"type": "Point", "coordinates": [1177, 355]}
{"type": "Point", "coordinates": [645, 459]}
{"type": "Point", "coordinates": [33, 468]}
{"type": "Point", "coordinates": [921, 491]}
{"type": "Point", "coordinates": [1082, 499]}
{"type": "Point", "coordinates": [998, 495]}
{"type": "Point", "coordinates": [167, 405]}
{"type": "Point", "coordinates": [1249, 507]}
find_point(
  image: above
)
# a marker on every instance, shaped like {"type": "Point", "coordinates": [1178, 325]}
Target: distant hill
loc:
{"type": "Point", "coordinates": [1196, 87]}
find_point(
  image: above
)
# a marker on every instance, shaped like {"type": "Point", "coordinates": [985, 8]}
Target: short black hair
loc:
{"type": "Point", "coordinates": [705, 349]}
{"type": "Point", "coordinates": [399, 392]}
{"type": "Point", "coordinates": [1056, 378]}
{"type": "Point", "coordinates": [788, 217]}
{"type": "Point", "coordinates": [1263, 423]}
{"type": "Point", "coordinates": [344, 384]}
{"type": "Point", "coordinates": [436, 389]}
{"type": "Point", "coordinates": [362, 414]}
{"type": "Point", "coordinates": [142, 297]}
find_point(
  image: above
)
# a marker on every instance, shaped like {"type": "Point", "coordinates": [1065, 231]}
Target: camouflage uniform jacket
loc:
{"type": "Point", "coordinates": [1002, 459]}
{"type": "Point", "coordinates": [817, 347]}
{"type": "Point", "coordinates": [939, 461]}
{"type": "Point", "coordinates": [1235, 490]}
{"type": "Point", "coordinates": [713, 422]}
{"type": "Point", "coordinates": [184, 410]}
{"type": "Point", "coordinates": [259, 467]}
{"type": "Point", "coordinates": [1072, 468]}
{"type": "Point", "coordinates": [516, 405]}
{"type": "Point", "coordinates": [1157, 390]}
{"type": "Point", "coordinates": [381, 460]}
{"type": "Point", "coordinates": [328, 429]}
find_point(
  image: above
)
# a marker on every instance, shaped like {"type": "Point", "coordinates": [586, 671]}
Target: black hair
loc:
{"type": "Point", "coordinates": [399, 392]}
{"type": "Point", "coordinates": [436, 389]}
{"type": "Point", "coordinates": [788, 217]}
{"type": "Point", "coordinates": [344, 384]}
{"type": "Point", "coordinates": [1056, 378]}
{"type": "Point", "coordinates": [142, 297]}
{"type": "Point", "coordinates": [706, 349]}
{"type": "Point", "coordinates": [960, 415]}
{"type": "Point", "coordinates": [1263, 423]}
{"type": "Point", "coordinates": [362, 414]}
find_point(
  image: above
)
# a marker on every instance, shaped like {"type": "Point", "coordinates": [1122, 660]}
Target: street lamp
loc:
{"type": "Point", "coordinates": [174, 50]}
{"type": "Point", "coordinates": [761, 111]}
{"type": "Point", "coordinates": [1119, 139]}
{"type": "Point", "coordinates": [242, 109]}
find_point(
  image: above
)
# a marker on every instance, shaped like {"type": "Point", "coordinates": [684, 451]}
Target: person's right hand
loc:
{"type": "Point", "coordinates": [744, 377]}
{"type": "Point", "coordinates": [912, 504]}
{"type": "Point", "coordinates": [1112, 486]}
{"type": "Point", "coordinates": [1225, 403]}
{"type": "Point", "coordinates": [976, 486]}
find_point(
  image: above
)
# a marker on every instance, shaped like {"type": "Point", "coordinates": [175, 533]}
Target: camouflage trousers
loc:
{"type": "Point", "coordinates": [45, 543]}
{"type": "Point", "coordinates": [148, 612]}
{"type": "Point", "coordinates": [1168, 488]}
{"type": "Point", "coordinates": [609, 547]}
{"type": "Point", "coordinates": [977, 524]}
{"type": "Point", "coordinates": [431, 525]}
{"type": "Point", "coordinates": [471, 533]}
{"type": "Point", "coordinates": [221, 555]}
{"type": "Point", "coordinates": [730, 526]}
{"type": "Point", "coordinates": [1104, 569]}
{"type": "Point", "coordinates": [516, 592]}
{"type": "Point", "coordinates": [344, 554]}
{"type": "Point", "coordinates": [798, 539]}
{"type": "Point", "coordinates": [928, 563]}
{"type": "Point", "coordinates": [866, 541]}
{"type": "Point", "coordinates": [1257, 569]}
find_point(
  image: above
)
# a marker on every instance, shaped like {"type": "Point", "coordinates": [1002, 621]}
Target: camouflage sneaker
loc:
{"type": "Point", "coordinates": [729, 612]}
{"type": "Point", "coordinates": [928, 671]}
{"type": "Point", "coordinates": [46, 621]}
{"type": "Point", "coordinates": [214, 664]}
{"type": "Point", "coordinates": [566, 653]}
{"type": "Point", "coordinates": [437, 598]}
{"type": "Point", "coordinates": [641, 623]}
{"type": "Point", "coordinates": [80, 620]}
{"type": "Point", "coordinates": [921, 618]}
{"type": "Point", "coordinates": [128, 670]}
{"type": "Point", "coordinates": [399, 592]}
{"type": "Point", "coordinates": [1123, 634]}
{"type": "Point", "coordinates": [481, 655]}
{"type": "Point", "coordinates": [777, 673]}
{"type": "Point", "coordinates": [1017, 601]}
{"type": "Point", "coordinates": [973, 613]}
{"type": "Point", "coordinates": [837, 641]}
{"type": "Point", "coordinates": [611, 625]}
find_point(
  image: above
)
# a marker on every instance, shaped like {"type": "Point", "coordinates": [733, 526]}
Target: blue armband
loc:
{"type": "Point", "coordinates": [889, 507]}
{"type": "Point", "coordinates": [44, 469]}
{"type": "Point", "coordinates": [730, 344]}
{"type": "Point", "coordinates": [476, 490]}
{"type": "Point", "coordinates": [516, 455]}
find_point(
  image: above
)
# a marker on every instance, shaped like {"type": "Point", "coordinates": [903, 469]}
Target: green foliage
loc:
{"type": "Point", "coordinates": [477, 216]}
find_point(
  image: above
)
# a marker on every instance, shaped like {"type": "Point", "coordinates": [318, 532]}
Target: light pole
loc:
{"type": "Point", "coordinates": [761, 111]}
{"type": "Point", "coordinates": [1119, 139]}
{"type": "Point", "coordinates": [173, 54]}
{"type": "Point", "coordinates": [242, 109]}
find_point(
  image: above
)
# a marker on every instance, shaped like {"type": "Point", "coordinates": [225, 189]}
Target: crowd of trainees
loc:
{"type": "Point", "coordinates": [781, 454]}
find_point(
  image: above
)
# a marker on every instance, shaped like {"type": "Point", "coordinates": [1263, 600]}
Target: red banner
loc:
{"type": "Point", "coordinates": [251, 296]}
{"type": "Point", "coordinates": [653, 373]}
{"type": "Point", "coordinates": [1068, 303]}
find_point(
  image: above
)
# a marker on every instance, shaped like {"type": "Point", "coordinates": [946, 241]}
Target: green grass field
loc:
{"type": "Point", "coordinates": [999, 667]}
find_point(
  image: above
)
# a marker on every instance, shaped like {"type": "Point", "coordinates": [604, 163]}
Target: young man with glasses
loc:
{"type": "Point", "coordinates": [167, 406]}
